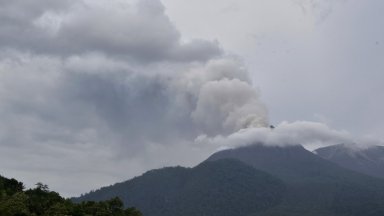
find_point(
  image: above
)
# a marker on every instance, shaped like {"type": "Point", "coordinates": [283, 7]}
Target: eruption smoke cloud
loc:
{"type": "Point", "coordinates": [129, 92]}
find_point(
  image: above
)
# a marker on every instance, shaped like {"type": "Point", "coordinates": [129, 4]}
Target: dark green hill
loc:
{"type": "Point", "coordinates": [369, 161]}
{"type": "Point", "coordinates": [215, 188]}
{"type": "Point", "coordinates": [315, 186]}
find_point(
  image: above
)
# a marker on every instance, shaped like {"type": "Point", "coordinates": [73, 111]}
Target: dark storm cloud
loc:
{"type": "Point", "coordinates": [140, 31]}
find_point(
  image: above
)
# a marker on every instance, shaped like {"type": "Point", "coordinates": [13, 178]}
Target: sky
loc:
{"type": "Point", "coordinates": [97, 92]}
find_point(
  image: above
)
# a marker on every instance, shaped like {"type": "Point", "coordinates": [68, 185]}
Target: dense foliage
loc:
{"type": "Point", "coordinates": [15, 201]}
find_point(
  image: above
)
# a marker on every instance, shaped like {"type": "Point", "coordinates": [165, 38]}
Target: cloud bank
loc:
{"type": "Point", "coordinates": [137, 30]}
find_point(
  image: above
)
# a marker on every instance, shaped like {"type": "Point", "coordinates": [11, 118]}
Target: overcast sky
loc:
{"type": "Point", "coordinates": [93, 92]}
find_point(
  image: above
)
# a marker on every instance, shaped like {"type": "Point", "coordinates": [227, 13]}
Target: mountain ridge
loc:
{"type": "Point", "coordinates": [369, 161]}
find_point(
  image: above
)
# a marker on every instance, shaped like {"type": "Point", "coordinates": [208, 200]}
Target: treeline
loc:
{"type": "Point", "coordinates": [16, 201]}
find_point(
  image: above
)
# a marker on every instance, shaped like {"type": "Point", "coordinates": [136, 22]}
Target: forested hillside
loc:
{"type": "Point", "coordinates": [315, 186]}
{"type": "Point", "coordinates": [15, 201]}
{"type": "Point", "coordinates": [217, 188]}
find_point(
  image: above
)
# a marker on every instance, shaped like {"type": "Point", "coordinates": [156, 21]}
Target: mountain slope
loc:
{"type": "Point", "coordinates": [222, 188]}
{"type": "Point", "coordinates": [369, 161]}
{"type": "Point", "coordinates": [314, 184]}
{"type": "Point", "coordinates": [292, 163]}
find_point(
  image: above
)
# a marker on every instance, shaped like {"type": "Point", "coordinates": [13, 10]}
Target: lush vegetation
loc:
{"type": "Point", "coordinates": [15, 201]}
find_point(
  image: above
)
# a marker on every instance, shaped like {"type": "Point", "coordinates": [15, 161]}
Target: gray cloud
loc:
{"type": "Point", "coordinates": [77, 93]}
{"type": "Point", "coordinates": [139, 31]}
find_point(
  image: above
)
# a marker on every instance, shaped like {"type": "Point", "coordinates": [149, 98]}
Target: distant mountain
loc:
{"type": "Point", "coordinates": [213, 188]}
{"type": "Point", "coordinates": [369, 161]}
{"type": "Point", "coordinates": [315, 186]}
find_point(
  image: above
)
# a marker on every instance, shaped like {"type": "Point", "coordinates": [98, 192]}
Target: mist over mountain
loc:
{"type": "Point", "coordinates": [368, 160]}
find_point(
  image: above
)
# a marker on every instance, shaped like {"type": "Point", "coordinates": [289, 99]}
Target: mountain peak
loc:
{"type": "Point", "coordinates": [291, 163]}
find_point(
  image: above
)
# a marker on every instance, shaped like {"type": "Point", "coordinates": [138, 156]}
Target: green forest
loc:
{"type": "Point", "coordinates": [16, 201]}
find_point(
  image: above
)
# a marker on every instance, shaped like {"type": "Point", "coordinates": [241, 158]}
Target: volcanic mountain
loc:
{"type": "Point", "coordinates": [255, 180]}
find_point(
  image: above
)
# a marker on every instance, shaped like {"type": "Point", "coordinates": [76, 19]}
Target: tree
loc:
{"type": "Point", "coordinates": [15, 205]}
{"type": "Point", "coordinates": [14, 201]}
{"type": "Point", "coordinates": [42, 187]}
{"type": "Point", "coordinates": [40, 199]}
